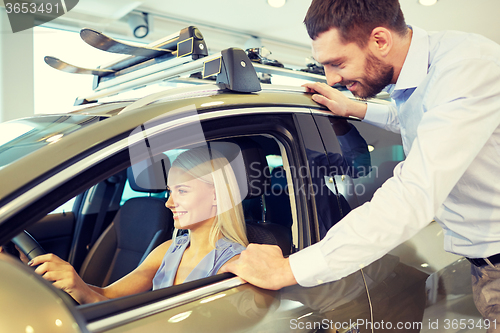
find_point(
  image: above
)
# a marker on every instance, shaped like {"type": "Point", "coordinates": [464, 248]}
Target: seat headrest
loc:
{"type": "Point", "coordinates": [255, 169]}
{"type": "Point", "coordinates": [149, 176]}
{"type": "Point", "coordinates": [247, 159]}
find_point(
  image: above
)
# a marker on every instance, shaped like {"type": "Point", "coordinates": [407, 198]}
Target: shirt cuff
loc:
{"type": "Point", "coordinates": [309, 266]}
{"type": "Point", "coordinates": [376, 114]}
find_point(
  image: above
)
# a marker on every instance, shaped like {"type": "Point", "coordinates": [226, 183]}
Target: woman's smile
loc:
{"type": "Point", "coordinates": [191, 200]}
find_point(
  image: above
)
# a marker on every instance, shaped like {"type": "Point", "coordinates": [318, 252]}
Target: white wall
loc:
{"type": "Point", "coordinates": [16, 71]}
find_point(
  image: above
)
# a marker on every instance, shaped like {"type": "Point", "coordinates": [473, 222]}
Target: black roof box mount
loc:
{"type": "Point", "coordinates": [236, 72]}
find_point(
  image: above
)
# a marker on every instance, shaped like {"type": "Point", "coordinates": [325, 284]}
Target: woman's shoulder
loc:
{"type": "Point", "coordinates": [226, 251]}
{"type": "Point", "coordinates": [161, 249]}
{"type": "Point", "coordinates": [228, 246]}
{"type": "Point", "coordinates": [177, 242]}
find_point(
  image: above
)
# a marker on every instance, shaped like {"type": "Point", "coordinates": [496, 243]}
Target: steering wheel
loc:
{"type": "Point", "coordinates": [28, 245]}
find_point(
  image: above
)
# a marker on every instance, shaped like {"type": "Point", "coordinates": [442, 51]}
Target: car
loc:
{"type": "Point", "coordinates": [89, 186]}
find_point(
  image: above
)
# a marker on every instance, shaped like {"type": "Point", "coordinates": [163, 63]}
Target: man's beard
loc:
{"type": "Point", "coordinates": [378, 76]}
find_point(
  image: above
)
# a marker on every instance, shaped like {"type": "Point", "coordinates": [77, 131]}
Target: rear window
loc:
{"type": "Point", "coordinates": [21, 137]}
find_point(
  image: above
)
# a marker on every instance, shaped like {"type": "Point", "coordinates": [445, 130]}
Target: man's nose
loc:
{"type": "Point", "coordinates": [332, 77]}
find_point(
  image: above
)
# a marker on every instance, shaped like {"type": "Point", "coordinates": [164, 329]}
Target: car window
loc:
{"type": "Point", "coordinates": [64, 208]}
{"type": "Point", "coordinates": [129, 193]}
{"type": "Point", "coordinates": [267, 216]}
{"type": "Point", "coordinates": [323, 165]}
{"type": "Point", "coordinates": [265, 201]}
{"type": "Point", "coordinates": [385, 152]}
{"type": "Point", "coordinates": [371, 154]}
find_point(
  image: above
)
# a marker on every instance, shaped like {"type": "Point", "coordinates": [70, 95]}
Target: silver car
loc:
{"type": "Point", "coordinates": [89, 186]}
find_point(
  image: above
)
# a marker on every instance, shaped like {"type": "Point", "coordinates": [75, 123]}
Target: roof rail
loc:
{"type": "Point", "coordinates": [233, 69]}
{"type": "Point", "coordinates": [167, 59]}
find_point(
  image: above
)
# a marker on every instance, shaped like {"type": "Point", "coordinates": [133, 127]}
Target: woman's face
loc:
{"type": "Point", "coordinates": [191, 200]}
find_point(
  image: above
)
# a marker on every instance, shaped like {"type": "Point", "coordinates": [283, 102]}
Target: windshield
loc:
{"type": "Point", "coordinates": [21, 137]}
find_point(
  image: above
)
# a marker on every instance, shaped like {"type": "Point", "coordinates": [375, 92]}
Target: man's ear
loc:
{"type": "Point", "coordinates": [381, 41]}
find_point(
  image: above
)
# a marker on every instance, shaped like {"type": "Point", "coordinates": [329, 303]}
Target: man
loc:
{"type": "Point", "coordinates": [446, 88]}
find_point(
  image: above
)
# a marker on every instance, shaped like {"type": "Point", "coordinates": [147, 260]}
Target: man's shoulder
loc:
{"type": "Point", "coordinates": [449, 47]}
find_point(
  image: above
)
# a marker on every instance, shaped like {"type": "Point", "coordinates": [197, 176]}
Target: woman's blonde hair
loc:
{"type": "Point", "coordinates": [210, 166]}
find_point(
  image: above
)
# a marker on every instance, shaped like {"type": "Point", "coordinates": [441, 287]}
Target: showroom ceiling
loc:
{"type": "Point", "coordinates": [232, 22]}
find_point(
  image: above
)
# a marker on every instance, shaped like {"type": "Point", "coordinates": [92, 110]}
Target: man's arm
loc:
{"type": "Point", "coordinates": [450, 136]}
{"type": "Point", "coordinates": [381, 115]}
{"type": "Point", "coordinates": [460, 120]}
{"type": "Point", "coordinates": [335, 100]}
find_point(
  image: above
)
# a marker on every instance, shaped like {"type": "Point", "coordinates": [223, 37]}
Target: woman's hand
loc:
{"type": "Point", "coordinates": [335, 100]}
{"type": "Point", "coordinates": [14, 251]}
{"type": "Point", "coordinates": [63, 275]}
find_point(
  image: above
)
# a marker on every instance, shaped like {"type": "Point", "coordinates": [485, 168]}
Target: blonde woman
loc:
{"type": "Point", "coordinates": [205, 199]}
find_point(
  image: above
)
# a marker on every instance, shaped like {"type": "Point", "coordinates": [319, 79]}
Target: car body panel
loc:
{"type": "Point", "coordinates": [29, 304]}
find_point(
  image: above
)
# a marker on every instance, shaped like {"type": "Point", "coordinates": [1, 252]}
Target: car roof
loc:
{"type": "Point", "coordinates": [121, 118]}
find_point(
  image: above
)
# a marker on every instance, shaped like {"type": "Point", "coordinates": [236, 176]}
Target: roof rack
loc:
{"type": "Point", "coordinates": [167, 59]}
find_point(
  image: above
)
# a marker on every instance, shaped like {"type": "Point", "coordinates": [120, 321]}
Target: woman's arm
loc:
{"type": "Point", "coordinates": [64, 276]}
{"type": "Point", "coordinates": [140, 279]}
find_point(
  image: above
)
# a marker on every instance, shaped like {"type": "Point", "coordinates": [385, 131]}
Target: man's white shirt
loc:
{"type": "Point", "coordinates": [447, 109]}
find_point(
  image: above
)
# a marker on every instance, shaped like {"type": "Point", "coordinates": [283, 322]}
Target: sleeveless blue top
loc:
{"type": "Point", "coordinates": [208, 266]}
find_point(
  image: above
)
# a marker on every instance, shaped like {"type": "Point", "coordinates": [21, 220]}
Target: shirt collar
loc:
{"type": "Point", "coordinates": [416, 64]}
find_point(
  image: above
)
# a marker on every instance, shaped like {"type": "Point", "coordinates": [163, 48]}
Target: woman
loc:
{"type": "Point", "coordinates": [205, 199]}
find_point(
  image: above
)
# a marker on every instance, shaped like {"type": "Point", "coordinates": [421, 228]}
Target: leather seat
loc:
{"type": "Point", "coordinates": [260, 229]}
{"type": "Point", "coordinates": [139, 226]}
{"type": "Point", "coordinates": [278, 200]}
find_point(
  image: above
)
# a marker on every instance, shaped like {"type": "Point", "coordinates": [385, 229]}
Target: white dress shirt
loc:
{"type": "Point", "coordinates": [447, 109]}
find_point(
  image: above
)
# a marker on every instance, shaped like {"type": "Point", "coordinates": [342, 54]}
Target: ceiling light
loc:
{"type": "Point", "coordinates": [276, 3]}
{"type": "Point", "coordinates": [427, 2]}
{"type": "Point", "coordinates": [138, 22]}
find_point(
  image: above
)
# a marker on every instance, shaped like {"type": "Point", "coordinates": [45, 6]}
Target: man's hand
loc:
{"type": "Point", "coordinates": [335, 100]}
{"type": "Point", "coordinates": [263, 266]}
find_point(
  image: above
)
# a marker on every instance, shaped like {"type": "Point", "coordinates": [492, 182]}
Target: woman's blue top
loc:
{"type": "Point", "coordinates": [208, 266]}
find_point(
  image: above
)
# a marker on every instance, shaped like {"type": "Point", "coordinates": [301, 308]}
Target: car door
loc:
{"type": "Point", "coordinates": [217, 303]}
{"type": "Point", "coordinates": [55, 231]}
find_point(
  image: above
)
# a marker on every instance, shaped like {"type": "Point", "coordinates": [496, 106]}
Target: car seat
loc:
{"type": "Point", "coordinates": [140, 225]}
{"type": "Point", "coordinates": [278, 200]}
{"type": "Point", "coordinates": [260, 229]}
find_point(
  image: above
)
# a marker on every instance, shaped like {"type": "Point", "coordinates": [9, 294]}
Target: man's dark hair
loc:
{"type": "Point", "coordinates": [354, 19]}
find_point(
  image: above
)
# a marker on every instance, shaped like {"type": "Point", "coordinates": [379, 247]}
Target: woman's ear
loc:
{"type": "Point", "coordinates": [381, 41]}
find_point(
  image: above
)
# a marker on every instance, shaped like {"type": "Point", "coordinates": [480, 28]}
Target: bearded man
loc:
{"type": "Point", "coordinates": [446, 92]}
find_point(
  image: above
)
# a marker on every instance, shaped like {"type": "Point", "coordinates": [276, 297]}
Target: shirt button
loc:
{"type": "Point", "coordinates": [319, 281]}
